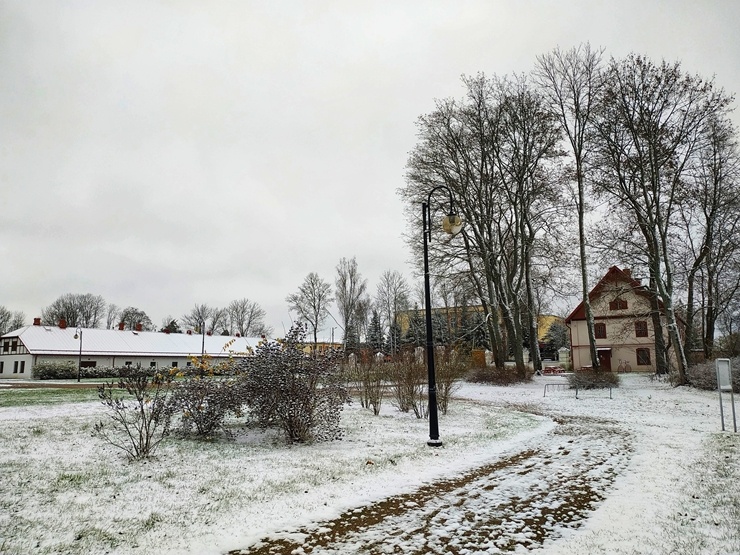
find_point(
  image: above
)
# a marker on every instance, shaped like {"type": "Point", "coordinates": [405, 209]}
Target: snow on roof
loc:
{"type": "Point", "coordinates": [52, 340]}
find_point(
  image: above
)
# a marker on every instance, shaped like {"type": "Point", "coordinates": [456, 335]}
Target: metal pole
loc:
{"type": "Point", "coordinates": [79, 359]}
{"type": "Point", "coordinates": [434, 440]}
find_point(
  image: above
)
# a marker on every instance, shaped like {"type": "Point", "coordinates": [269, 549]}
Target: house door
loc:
{"type": "Point", "coordinates": [605, 359]}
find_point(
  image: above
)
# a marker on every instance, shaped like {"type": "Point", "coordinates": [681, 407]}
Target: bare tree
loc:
{"type": "Point", "coordinates": [311, 302]}
{"type": "Point", "coordinates": [85, 310]}
{"type": "Point", "coordinates": [391, 298]}
{"type": "Point", "coordinates": [11, 320]}
{"type": "Point", "coordinates": [350, 291]}
{"type": "Point", "coordinates": [131, 317]}
{"type": "Point", "coordinates": [219, 322]}
{"type": "Point", "coordinates": [649, 126]}
{"type": "Point", "coordinates": [570, 82]}
{"type": "Point", "coordinates": [198, 318]}
{"type": "Point", "coordinates": [247, 318]}
{"type": "Point", "coordinates": [112, 316]}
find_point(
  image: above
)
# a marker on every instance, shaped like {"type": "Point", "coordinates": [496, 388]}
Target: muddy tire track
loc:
{"type": "Point", "coordinates": [516, 502]}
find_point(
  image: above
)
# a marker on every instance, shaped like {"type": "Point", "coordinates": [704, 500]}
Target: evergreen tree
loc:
{"type": "Point", "coordinates": [375, 338]}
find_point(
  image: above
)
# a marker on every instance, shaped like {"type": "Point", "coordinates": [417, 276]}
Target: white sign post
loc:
{"type": "Point", "coordinates": [724, 383]}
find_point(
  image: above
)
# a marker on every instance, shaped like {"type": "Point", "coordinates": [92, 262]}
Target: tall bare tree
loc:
{"type": "Point", "coordinates": [11, 320]}
{"type": "Point", "coordinates": [198, 319]}
{"type": "Point", "coordinates": [112, 315]}
{"type": "Point", "coordinates": [247, 318]}
{"type": "Point", "coordinates": [350, 290]}
{"type": "Point", "coordinates": [570, 82]}
{"type": "Point", "coordinates": [84, 310]}
{"type": "Point", "coordinates": [311, 303]}
{"type": "Point", "coordinates": [131, 317]}
{"type": "Point", "coordinates": [392, 297]}
{"type": "Point", "coordinates": [649, 127]}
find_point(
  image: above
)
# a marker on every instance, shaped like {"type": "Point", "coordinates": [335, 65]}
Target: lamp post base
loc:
{"type": "Point", "coordinates": [434, 443]}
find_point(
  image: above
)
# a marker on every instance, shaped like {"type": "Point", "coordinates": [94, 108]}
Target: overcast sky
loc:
{"type": "Point", "coordinates": [163, 154]}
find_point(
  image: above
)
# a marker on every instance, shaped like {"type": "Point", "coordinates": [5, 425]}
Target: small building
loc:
{"type": "Point", "coordinates": [23, 348]}
{"type": "Point", "coordinates": [623, 327]}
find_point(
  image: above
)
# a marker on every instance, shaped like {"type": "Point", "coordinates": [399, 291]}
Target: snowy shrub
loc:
{"type": "Point", "coordinates": [140, 414]}
{"type": "Point", "coordinates": [54, 371]}
{"type": "Point", "coordinates": [593, 380]}
{"type": "Point", "coordinates": [203, 400]}
{"type": "Point", "coordinates": [68, 371]}
{"type": "Point", "coordinates": [491, 375]}
{"type": "Point", "coordinates": [704, 375]}
{"type": "Point", "coordinates": [302, 394]}
{"type": "Point", "coordinates": [449, 375]}
{"type": "Point", "coordinates": [368, 377]}
{"type": "Point", "coordinates": [408, 381]}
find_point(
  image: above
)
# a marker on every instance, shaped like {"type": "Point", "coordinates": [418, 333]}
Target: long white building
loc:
{"type": "Point", "coordinates": [23, 348]}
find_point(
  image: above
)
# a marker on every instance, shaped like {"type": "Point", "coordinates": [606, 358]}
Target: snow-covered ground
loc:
{"type": "Point", "coordinates": [647, 471]}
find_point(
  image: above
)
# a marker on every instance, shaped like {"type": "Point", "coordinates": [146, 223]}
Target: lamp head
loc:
{"type": "Point", "coordinates": [76, 336]}
{"type": "Point", "coordinates": [452, 223]}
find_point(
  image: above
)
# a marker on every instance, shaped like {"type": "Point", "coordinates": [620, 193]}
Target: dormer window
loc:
{"type": "Point", "coordinates": [618, 304]}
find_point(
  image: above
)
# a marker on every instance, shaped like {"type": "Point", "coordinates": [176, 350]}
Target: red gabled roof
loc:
{"type": "Point", "coordinates": [614, 274]}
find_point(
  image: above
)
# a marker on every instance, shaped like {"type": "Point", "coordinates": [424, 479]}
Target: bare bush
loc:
{"type": "Point", "coordinates": [303, 394]}
{"type": "Point", "coordinates": [203, 400]}
{"type": "Point", "coordinates": [593, 380]}
{"type": "Point", "coordinates": [141, 421]}
{"type": "Point", "coordinates": [449, 374]}
{"type": "Point", "coordinates": [704, 375]}
{"type": "Point", "coordinates": [368, 376]}
{"type": "Point", "coordinates": [407, 377]}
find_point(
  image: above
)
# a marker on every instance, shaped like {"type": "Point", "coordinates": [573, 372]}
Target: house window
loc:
{"type": "Point", "coordinates": [14, 346]}
{"type": "Point", "coordinates": [2, 364]}
{"type": "Point", "coordinates": [174, 364]}
{"type": "Point", "coordinates": [128, 363]}
{"type": "Point", "coordinates": [641, 328]}
{"type": "Point", "coordinates": [600, 330]}
{"type": "Point", "coordinates": [618, 304]}
{"type": "Point", "coordinates": [23, 366]}
{"type": "Point", "coordinates": [189, 364]}
{"type": "Point", "coordinates": [88, 364]}
{"type": "Point", "coordinates": [643, 357]}
{"type": "Point", "coordinates": [152, 364]}
{"type": "Point", "coordinates": [6, 346]}
{"type": "Point", "coordinates": [15, 367]}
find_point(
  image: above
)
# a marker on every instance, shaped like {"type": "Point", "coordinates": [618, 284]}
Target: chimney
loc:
{"type": "Point", "coordinates": [63, 324]}
{"type": "Point", "coordinates": [121, 325]}
{"type": "Point", "coordinates": [37, 321]}
{"type": "Point", "coordinates": [137, 327]}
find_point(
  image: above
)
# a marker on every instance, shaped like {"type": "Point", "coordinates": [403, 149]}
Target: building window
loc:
{"type": "Point", "coordinates": [2, 364]}
{"type": "Point", "coordinates": [15, 367]}
{"type": "Point", "coordinates": [174, 364]}
{"type": "Point", "coordinates": [618, 304]}
{"type": "Point", "coordinates": [88, 364]}
{"type": "Point", "coordinates": [127, 363]}
{"type": "Point", "coordinates": [643, 357]}
{"type": "Point", "coordinates": [152, 364]}
{"type": "Point", "coordinates": [600, 330]}
{"type": "Point", "coordinates": [14, 346]}
{"type": "Point", "coordinates": [189, 364]}
{"type": "Point", "coordinates": [6, 346]}
{"type": "Point", "coordinates": [641, 328]}
{"type": "Point", "coordinates": [23, 366]}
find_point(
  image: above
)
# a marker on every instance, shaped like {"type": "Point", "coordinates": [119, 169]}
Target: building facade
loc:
{"type": "Point", "coordinates": [623, 327]}
{"type": "Point", "coordinates": [22, 349]}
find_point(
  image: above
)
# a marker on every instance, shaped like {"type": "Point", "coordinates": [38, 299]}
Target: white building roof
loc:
{"type": "Point", "coordinates": [52, 340]}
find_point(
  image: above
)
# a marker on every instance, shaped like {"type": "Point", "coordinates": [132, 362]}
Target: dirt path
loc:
{"type": "Point", "coordinates": [519, 501]}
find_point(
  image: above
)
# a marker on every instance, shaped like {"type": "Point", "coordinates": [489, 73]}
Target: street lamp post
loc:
{"type": "Point", "coordinates": [452, 224]}
{"type": "Point", "coordinates": [78, 335]}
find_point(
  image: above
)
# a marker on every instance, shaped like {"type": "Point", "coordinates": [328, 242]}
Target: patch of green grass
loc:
{"type": "Point", "coordinates": [45, 396]}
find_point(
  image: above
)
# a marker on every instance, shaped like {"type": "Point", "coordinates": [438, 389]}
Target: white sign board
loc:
{"type": "Point", "coordinates": [724, 374]}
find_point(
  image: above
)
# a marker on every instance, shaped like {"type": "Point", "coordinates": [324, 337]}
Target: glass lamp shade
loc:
{"type": "Point", "coordinates": [452, 224]}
